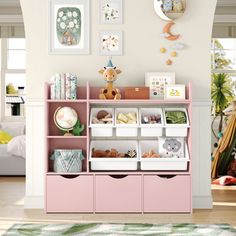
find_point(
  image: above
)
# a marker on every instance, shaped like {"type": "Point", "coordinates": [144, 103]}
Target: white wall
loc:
{"type": "Point", "coordinates": [142, 41]}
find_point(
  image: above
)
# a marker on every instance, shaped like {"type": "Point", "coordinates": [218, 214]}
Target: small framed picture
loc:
{"type": "Point", "coordinates": [156, 81]}
{"type": "Point", "coordinates": [111, 43]}
{"type": "Point", "coordinates": [173, 92]}
{"type": "Point", "coordinates": [69, 26]}
{"type": "Point", "coordinates": [111, 11]}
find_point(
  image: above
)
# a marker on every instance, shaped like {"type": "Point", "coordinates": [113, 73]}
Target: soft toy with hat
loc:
{"type": "Point", "coordinates": [110, 73]}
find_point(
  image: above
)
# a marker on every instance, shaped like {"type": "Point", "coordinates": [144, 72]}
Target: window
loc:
{"type": "Point", "coordinates": [16, 54]}
{"type": "Point", "coordinates": [13, 63]}
{"type": "Point", "coordinates": [224, 58]}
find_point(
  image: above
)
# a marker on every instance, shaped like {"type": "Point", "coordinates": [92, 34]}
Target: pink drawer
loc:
{"type": "Point", "coordinates": [167, 194]}
{"type": "Point", "coordinates": [118, 193]}
{"type": "Point", "coordinates": [66, 194]}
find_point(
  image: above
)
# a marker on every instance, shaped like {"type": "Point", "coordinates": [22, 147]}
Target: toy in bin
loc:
{"type": "Point", "coordinates": [171, 147]}
{"type": "Point", "coordinates": [113, 153]}
{"type": "Point", "coordinates": [67, 160]}
{"type": "Point", "coordinates": [102, 117]}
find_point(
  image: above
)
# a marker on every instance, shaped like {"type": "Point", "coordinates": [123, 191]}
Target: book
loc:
{"type": "Point", "coordinates": [73, 87]}
{"type": "Point", "coordinates": [63, 87]}
{"type": "Point", "coordinates": [68, 86]}
{"type": "Point", "coordinates": [58, 86]}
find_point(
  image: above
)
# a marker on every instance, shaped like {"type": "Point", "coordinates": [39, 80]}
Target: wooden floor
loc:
{"type": "Point", "coordinates": [12, 190]}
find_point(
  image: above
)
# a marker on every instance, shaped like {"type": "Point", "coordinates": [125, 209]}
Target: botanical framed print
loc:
{"type": "Point", "coordinates": [156, 81]}
{"type": "Point", "coordinates": [174, 92]}
{"type": "Point", "coordinates": [69, 27]}
{"type": "Point", "coordinates": [111, 43]}
{"type": "Point", "coordinates": [111, 11]}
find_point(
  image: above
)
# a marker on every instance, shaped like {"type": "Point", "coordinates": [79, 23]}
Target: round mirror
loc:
{"type": "Point", "coordinates": [169, 9]}
{"type": "Point", "coordinates": [65, 118]}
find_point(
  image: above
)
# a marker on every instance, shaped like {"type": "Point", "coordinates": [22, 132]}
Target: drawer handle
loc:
{"type": "Point", "coordinates": [118, 176]}
{"type": "Point", "coordinates": [166, 176]}
{"type": "Point", "coordinates": [69, 176]}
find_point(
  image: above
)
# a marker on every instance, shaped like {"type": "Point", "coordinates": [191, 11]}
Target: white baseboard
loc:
{"type": "Point", "coordinates": [202, 202]}
{"type": "Point", "coordinates": [199, 202]}
{"type": "Point", "coordinates": [34, 202]}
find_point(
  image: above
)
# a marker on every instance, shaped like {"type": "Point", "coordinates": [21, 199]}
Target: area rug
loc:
{"type": "Point", "coordinates": [120, 229]}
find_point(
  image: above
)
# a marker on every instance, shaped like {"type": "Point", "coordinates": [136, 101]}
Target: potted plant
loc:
{"type": "Point", "coordinates": [221, 95]}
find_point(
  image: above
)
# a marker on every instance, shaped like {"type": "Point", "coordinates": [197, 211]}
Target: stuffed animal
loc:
{"type": "Point", "coordinates": [110, 75]}
{"type": "Point", "coordinates": [172, 145]}
{"type": "Point", "coordinates": [108, 153]}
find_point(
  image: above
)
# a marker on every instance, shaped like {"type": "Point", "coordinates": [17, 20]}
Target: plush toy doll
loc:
{"type": "Point", "coordinates": [110, 75]}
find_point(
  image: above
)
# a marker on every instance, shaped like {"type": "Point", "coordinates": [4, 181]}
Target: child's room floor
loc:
{"type": "Point", "coordinates": [12, 191]}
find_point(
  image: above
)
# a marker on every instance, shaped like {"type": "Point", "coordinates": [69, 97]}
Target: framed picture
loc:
{"type": "Point", "coordinates": [69, 27]}
{"type": "Point", "coordinates": [174, 92]}
{"type": "Point", "coordinates": [111, 11]}
{"type": "Point", "coordinates": [111, 43]}
{"type": "Point", "coordinates": [156, 81]}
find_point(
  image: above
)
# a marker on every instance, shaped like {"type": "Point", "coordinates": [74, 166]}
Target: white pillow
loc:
{"type": "Point", "coordinates": [13, 128]}
{"type": "Point", "coordinates": [17, 146]}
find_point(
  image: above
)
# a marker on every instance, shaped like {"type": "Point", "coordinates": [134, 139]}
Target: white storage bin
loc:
{"type": "Point", "coordinates": [101, 130]}
{"type": "Point", "coordinates": [107, 163]}
{"type": "Point", "coordinates": [151, 130]}
{"type": "Point", "coordinates": [176, 130]}
{"type": "Point", "coordinates": [161, 163]}
{"type": "Point", "coordinates": [126, 130]}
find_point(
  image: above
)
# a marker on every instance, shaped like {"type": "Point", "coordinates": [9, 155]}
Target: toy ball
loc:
{"type": "Point", "coordinates": [220, 135]}
{"type": "Point", "coordinates": [215, 145]}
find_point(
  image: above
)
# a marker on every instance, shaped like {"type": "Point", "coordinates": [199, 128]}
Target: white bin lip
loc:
{"type": "Point", "coordinates": [114, 159]}
{"type": "Point", "coordinates": [187, 125]}
{"type": "Point", "coordinates": [165, 159]}
{"type": "Point", "coordinates": [110, 109]}
{"type": "Point", "coordinates": [158, 110]}
{"type": "Point", "coordinates": [126, 109]}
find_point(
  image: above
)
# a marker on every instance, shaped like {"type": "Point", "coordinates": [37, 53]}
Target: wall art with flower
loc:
{"type": "Point", "coordinates": [111, 12]}
{"type": "Point", "coordinates": [111, 43]}
{"type": "Point", "coordinates": [69, 26]}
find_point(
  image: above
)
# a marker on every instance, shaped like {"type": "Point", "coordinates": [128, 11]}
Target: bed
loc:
{"type": "Point", "coordinates": [12, 155]}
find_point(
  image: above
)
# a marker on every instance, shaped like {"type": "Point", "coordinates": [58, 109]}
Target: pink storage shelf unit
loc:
{"type": "Point", "coordinates": [109, 191]}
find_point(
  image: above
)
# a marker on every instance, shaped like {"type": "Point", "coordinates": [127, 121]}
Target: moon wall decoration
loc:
{"type": "Point", "coordinates": [167, 32]}
{"type": "Point", "coordinates": [170, 9]}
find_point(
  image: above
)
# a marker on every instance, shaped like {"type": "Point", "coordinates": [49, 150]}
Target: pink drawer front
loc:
{"type": "Point", "coordinates": [66, 194]}
{"type": "Point", "coordinates": [167, 194]}
{"type": "Point", "coordinates": [118, 193]}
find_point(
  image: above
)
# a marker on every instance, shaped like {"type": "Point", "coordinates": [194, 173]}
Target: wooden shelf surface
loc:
{"type": "Point", "coordinates": [66, 137]}
{"type": "Point", "coordinates": [67, 101]}
{"type": "Point", "coordinates": [138, 172]}
{"type": "Point", "coordinates": [139, 101]}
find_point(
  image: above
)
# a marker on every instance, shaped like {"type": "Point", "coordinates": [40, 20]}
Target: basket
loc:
{"type": "Point", "coordinates": [67, 161]}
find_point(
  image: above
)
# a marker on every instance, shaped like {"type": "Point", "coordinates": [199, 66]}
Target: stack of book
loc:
{"type": "Point", "coordinates": [63, 87]}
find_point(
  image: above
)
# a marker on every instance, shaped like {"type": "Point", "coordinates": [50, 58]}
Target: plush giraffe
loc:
{"type": "Point", "coordinates": [110, 75]}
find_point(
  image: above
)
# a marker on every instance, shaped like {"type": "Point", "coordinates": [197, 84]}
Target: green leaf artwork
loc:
{"type": "Point", "coordinates": [68, 26]}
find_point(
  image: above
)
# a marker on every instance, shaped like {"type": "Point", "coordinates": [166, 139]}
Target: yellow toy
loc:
{"type": "Point", "coordinates": [110, 75]}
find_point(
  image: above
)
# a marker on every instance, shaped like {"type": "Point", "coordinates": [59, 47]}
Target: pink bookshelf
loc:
{"type": "Point", "coordinates": [90, 191]}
